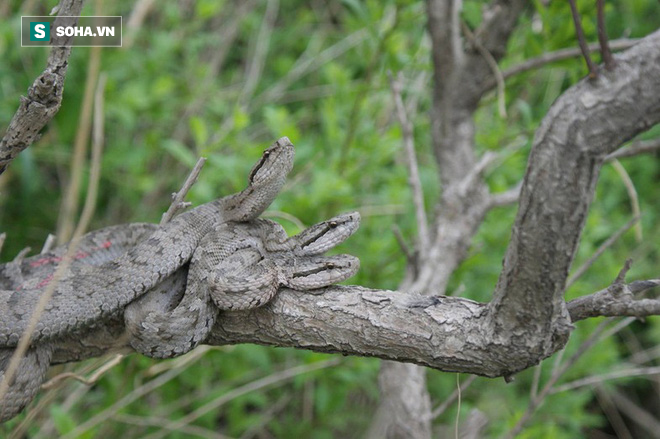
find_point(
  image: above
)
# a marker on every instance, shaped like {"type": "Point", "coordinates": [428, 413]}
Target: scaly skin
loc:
{"type": "Point", "coordinates": [89, 294]}
{"type": "Point", "coordinates": [238, 266]}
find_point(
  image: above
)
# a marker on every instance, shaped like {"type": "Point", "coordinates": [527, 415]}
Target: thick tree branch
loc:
{"type": "Point", "coordinates": [440, 332]}
{"type": "Point", "coordinates": [588, 122]}
{"type": "Point", "coordinates": [445, 333]}
{"type": "Point", "coordinates": [44, 96]}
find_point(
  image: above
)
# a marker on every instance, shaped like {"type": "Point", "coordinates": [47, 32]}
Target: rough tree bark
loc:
{"type": "Point", "coordinates": [458, 84]}
{"type": "Point", "coordinates": [44, 96]}
{"type": "Point", "coordinates": [459, 335]}
{"type": "Point", "coordinates": [528, 318]}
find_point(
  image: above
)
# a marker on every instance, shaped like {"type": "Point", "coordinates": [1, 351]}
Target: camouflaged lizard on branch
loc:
{"type": "Point", "coordinates": [211, 258]}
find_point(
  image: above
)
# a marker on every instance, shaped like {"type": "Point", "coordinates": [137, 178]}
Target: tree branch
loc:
{"type": "Point", "coordinates": [568, 151]}
{"type": "Point", "coordinates": [559, 55]}
{"type": "Point", "coordinates": [44, 96]}
{"type": "Point", "coordinates": [411, 162]}
{"type": "Point", "coordinates": [636, 148]}
{"type": "Point", "coordinates": [609, 302]}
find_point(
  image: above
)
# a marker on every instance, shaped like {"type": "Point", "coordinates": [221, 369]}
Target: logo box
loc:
{"type": "Point", "coordinates": [39, 31]}
{"type": "Point", "coordinates": [68, 31]}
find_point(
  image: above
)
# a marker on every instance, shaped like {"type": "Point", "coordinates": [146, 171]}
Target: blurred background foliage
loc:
{"type": "Point", "coordinates": [224, 79]}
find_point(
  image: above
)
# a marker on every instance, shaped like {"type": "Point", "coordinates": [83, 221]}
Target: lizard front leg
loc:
{"type": "Point", "coordinates": [250, 278]}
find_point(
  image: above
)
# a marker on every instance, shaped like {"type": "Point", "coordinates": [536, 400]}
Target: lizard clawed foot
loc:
{"type": "Point", "coordinates": [251, 276]}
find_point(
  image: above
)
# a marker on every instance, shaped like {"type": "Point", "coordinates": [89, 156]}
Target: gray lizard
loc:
{"type": "Point", "coordinates": [238, 266]}
{"type": "Point", "coordinates": [87, 294]}
{"type": "Point", "coordinates": [235, 266]}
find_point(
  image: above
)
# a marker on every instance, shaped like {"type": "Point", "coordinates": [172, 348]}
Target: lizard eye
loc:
{"type": "Point", "coordinates": [333, 224]}
{"type": "Point", "coordinates": [331, 265]}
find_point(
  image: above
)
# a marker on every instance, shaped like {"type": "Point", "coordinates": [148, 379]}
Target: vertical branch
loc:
{"type": "Point", "coordinates": [178, 197]}
{"type": "Point", "coordinates": [95, 168]}
{"type": "Point", "coordinates": [602, 36]}
{"type": "Point", "coordinates": [69, 208]}
{"type": "Point", "coordinates": [411, 162]}
{"type": "Point", "coordinates": [582, 40]}
{"type": "Point", "coordinates": [255, 66]}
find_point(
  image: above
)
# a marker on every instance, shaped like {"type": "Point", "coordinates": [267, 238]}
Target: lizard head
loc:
{"type": "Point", "coordinates": [274, 165]}
{"type": "Point", "coordinates": [317, 272]}
{"type": "Point", "coordinates": [325, 235]}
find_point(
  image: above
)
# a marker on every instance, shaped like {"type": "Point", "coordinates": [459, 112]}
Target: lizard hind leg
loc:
{"type": "Point", "coordinates": [243, 280]}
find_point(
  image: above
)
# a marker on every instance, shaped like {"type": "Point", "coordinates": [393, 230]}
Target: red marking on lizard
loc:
{"type": "Point", "coordinates": [55, 259]}
{"type": "Point", "coordinates": [79, 255]}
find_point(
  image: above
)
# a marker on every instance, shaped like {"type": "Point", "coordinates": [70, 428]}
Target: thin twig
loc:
{"type": "Point", "coordinates": [492, 63]}
{"type": "Point", "coordinates": [637, 414]}
{"type": "Point", "coordinates": [559, 372]}
{"type": "Point", "coordinates": [582, 40]}
{"type": "Point", "coordinates": [257, 427]}
{"type": "Point", "coordinates": [87, 381]}
{"type": "Point", "coordinates": [450, 400]}
{"type": "Point", "coordinates": [458, 405]}
{"type": "Point", "coordinates": [612, 413]}
{"type": "Point", "coordinates": [135, 20]}
{"type": "Point", "coordinates": [632, 194]}
{"type": "Point", "coordinates": [510, 196]}
{"type": "Point", "coordinates": [559, 55]}
{"type": "Point", "coordinates": [157, 421]}
{"type": "Point", "coordinates": [21, 255]}
{"type": "Point", "coordinates": [305, 66]}
{"type": "Point", "coordinates": [602, 35]}
{"type": "Point", "coordinates": [179, 362]}
{"type": "Point", "coordinates": [178, 197]}
{"type": "Point", "coordinates": [256, 64]}
{"type": "Point", "coordinates": [536, 380]}
{"type": "Point", "coordinates": [601, 249]}
{"type": "Point", "coordinates": [95, 165]}
{"type": "Point", "coordinates": [285, 216]}
{"type": "Point", "coordinates": [48, 243]}
{"type": "Point", "coordinates": [70, 202]}
{"type": "Point", "coordinates": [411, 162]}
{"type": "Point", "coordinates": [410, 254]}
{"type": "Point", "coordinates": [596, 379]}
{"type": "Point", "coordinates": [239, 391]}
{"type": "Point", "coordinates": [636, 148]}
{"type": "Point", "coordinates": [471, 179]}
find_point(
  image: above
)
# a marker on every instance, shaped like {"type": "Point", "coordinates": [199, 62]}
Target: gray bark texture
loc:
{"type": "Point", "coordinates": [528, 318]}
{"type": "Point", "coordinates": [453, 334]}
{"type": "Point", "coordinates": [461, 74]}
{"type": "Point", "coordinates": [44, 96]}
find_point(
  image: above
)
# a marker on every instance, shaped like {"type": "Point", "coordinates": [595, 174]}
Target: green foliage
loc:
{"type": "Point", "coordinates": [172, 96]}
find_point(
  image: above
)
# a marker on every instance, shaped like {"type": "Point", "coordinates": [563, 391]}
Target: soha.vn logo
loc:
{"type": "Point", "coordinates": [39, 31]}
